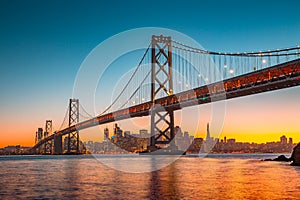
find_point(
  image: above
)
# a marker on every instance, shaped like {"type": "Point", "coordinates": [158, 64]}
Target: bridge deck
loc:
{"type": "Point", "coordinates": [273, 78]}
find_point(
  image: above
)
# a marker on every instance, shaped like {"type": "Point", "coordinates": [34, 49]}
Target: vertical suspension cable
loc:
{"type": "Point", "coordinates": [198, 68]}
{"type": "Point", "coordinates": [231, 68]}
{"type": "Point", "coordinates": [204, 69]}
{"type": "Point", "coordinates": [178, 71]}
{"type": "Point", "coordinates": [237, 65]}
{"type": "Point", "coordinates": [174, 68]}
{"type": "Point", "coordinates": [225, 67]}
{"type": "Point", "coordinates": [208, 77]}
{"type": "Point", "coordinates": [187, 78]}
{"type": "Point", "coordinates": [214, 68]}
{"type": "Point", "coordinates": [181, 70]}
{"type": "Point", "coordinates": [269, 59]}
{"type": "Point", "coordinates": [191, 71]}
{"type": "Point", "coordinates": [220, 68]}
{"type": "Point", "coordinates": [185, 70]}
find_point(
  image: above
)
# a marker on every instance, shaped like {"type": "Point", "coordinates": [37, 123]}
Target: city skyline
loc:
{"type": "Point", "coordinates": [109, 133]}
{"type": "Point", "coordinates": [125, 141]}
{"type": "Point", "coordinates": [40, 57]}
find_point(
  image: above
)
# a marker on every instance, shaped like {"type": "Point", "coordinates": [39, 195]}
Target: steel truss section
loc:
{"type": "Point", "coordinates": [48, 145]}
{"type": "Point", "coordinates": [161, 82]}
{"type": "Point", "coordinates": [73, 137]}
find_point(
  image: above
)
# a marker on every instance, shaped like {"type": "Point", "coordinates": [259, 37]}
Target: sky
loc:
{"type": "Point", "coordinates": [43, 44]}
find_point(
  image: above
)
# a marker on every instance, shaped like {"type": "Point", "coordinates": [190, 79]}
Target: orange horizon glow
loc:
{"type": "Point", "coordinates": [258, 118]}
{"type": "Point", "coordinates": [256, 138]}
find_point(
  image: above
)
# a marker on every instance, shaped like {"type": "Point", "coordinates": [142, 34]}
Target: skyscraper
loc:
{"type": "Point", "coordinates": [118, 133]}
{"type": "Point", "coordinates": [283, 139]}
{"type": "Point", "coordinates": [207, 133]}
{"type": "Point", "coordinates": [40, 133]}
{"type": "Point", "coordinates": [106, 134]}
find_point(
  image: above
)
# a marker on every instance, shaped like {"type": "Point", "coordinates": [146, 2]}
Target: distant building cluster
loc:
{"type": "Point", "coordinates": [14, 150]}
{"type": "Point", "coordinates": [231, 146]}
{"type": "Point", "coordinates": [120, 142]}
{"type": "Point", "coordinates": [123, 142]}
{"type": "Point", "coordinates": [211, 145]}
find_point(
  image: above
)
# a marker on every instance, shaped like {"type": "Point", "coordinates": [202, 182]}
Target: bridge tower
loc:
{"type": "Point", "coordinates": [39, 137]}
{"type": "Point", "coordinates": [73, 137]}
{"type": "Point", "coordinates": [48, 131]}
{"type": "Point", "coordinates": [161, 81]}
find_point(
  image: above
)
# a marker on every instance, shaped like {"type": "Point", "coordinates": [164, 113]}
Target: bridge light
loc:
{"type": "Point", "coordinates": [199, 75]}
{"type": "Point", "coordinates": [263, 61]}
{"type": "Point", "coordinates": [225, 66]}
{"type": "Point", "coordinates": [231, 71]}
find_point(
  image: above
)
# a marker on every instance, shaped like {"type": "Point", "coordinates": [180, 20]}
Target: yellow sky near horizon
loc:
{"type": "Point", "coordinates": [258, 118]}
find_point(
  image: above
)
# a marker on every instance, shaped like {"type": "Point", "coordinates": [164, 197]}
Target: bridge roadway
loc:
{"type": "Point", "coordinates": [272, 78]}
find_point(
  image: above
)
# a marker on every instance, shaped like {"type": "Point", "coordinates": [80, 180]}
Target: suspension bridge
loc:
{"type": "Point", "coordinates": [171, 76]}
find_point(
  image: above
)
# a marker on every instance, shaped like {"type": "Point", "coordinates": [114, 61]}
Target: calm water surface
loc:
{"type": "Point", "coordinates": [190, 177]}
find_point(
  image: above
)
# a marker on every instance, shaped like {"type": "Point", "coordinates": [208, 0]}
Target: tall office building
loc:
{"type": "Point", "coordinates": [118, 133]}
{"type": "Point", "coordinates": [207, 133]}
{"type": "Point", "coordinates": [106, 134]}
{"type": "Point", "coordinates": [144, 133]}
{"type": "Point", "coordinates": [283, 139]}
{"type": "Point", "coordinates": [40, 133]}
{"type": "Point", "coordinates": [178, 131]}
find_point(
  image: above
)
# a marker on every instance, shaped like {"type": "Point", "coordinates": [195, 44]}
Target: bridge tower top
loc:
{"type": "Point", "coordinates": [73, 111]}
{"type": "Point", "coordinates": [48, 128]}
{"type": "Point", "coordinates": [161, 80]}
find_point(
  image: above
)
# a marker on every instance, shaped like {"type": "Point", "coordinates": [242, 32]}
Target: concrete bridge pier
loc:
{"type": "Point", "coordinates": [58, 144]}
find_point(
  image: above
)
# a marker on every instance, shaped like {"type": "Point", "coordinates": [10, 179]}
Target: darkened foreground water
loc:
{"type": "Point", "coordinates": [190, 177]}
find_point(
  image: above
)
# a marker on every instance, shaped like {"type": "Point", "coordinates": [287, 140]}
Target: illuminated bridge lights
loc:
{"type": "Point", "coordinates": [259, 80]}
{"type": "Point", "coordinates": [249, 82]}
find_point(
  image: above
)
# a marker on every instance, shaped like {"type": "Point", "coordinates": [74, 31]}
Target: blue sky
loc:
{"type": "Point", "coordinates": [43, 43]}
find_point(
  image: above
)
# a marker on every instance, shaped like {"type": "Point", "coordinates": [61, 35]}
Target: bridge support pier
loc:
{"type": "Point", "coordinates": [58, 144]}
{"type": "Point", "coordinates": [162, 136]}
{"type": "Point", "coordinates": [48, 147]}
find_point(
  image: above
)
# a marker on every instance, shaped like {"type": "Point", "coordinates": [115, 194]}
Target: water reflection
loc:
{"type": "Point", "coordinates": [187, 178]}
